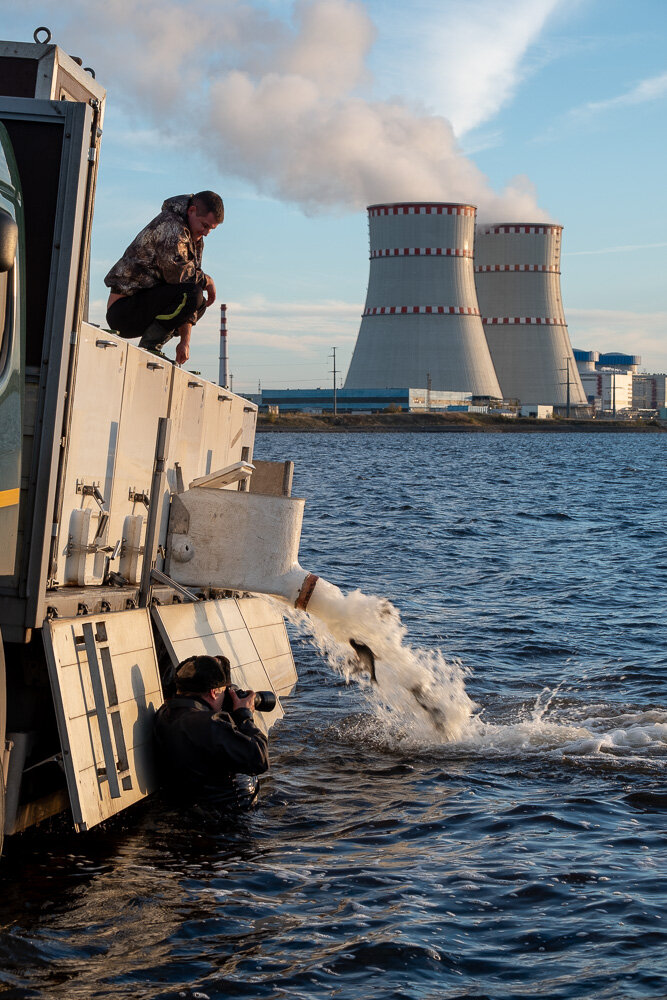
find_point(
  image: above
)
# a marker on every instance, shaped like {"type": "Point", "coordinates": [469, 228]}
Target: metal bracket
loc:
{"type": "Point", "coordinates": [92, 490]}
{"type": "Point", "coordinates": [167, 580]}
{"type": "Point", "coordinates": [136, 496]}
{"type": "Point", "coordinates": [56, 758]}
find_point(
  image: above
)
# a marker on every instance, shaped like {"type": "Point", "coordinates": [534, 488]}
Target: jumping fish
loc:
{"type": "Point", "coordinates": [364, 662]}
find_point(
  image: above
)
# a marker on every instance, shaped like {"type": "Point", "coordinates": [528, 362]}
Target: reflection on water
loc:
{"type": "Point", "coordinates": [522, 855]}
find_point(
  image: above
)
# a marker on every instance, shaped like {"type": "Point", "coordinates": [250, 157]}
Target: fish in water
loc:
{"type": "Point", "coordinates": [364, 660]}
{"type": "Point", "coordinates": [435, 713]}
{"type": "Point", "coordinates": [364, 663]}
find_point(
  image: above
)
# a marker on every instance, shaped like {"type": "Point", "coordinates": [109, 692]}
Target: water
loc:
{"type": "Point", "coordinates": [524, 857]}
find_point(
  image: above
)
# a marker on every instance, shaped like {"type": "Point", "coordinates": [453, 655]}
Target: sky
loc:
{"type": "Point", "coordinates": [300, 114]}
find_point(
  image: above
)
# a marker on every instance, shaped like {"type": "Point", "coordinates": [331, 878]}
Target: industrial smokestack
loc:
{"type": "Point", "coordinates": [421, 315]}
{"type": "Point", "coordinates": [517, 270]}
{"type": "Point", "coordinates": [223, 369]}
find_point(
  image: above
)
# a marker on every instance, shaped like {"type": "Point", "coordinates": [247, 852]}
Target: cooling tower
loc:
{"type": "Point", "coordinates": [517, 270]}
{"type": "Point", "coordinates": [421, 316]}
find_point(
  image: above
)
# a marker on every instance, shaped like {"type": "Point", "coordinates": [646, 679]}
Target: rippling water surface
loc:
{"type": "Point", "coordinates": [525, 858]}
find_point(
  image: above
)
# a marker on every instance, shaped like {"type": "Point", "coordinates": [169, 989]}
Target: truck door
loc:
{"type": "Point", "coordinates": [106, 689]}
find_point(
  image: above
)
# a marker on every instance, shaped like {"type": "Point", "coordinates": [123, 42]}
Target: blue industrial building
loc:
{"type": "Point", "coordinates": [363, 400]}
{"type": "Point", "coordinates": [594, 361]}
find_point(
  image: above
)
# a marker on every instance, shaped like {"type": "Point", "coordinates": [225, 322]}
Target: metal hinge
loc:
{"type": "Point", "coordinates": [135, 496]}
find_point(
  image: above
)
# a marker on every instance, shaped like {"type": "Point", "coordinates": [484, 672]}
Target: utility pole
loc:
{"type": "Point", "coordinates": [334, 372]}
{"type": "Point", "coordinates": [428, 392]}
{"type": "Point", "coordinates": [567, 384]}
{"type": "Point", "coordinates": [613, 382]}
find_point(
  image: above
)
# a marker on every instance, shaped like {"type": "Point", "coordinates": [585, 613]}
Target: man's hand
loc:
{"type": "Point", "coordinates": [247, 702]}
{"type": "Point", "coordinates": [183, 347]}
{"type": "Point", "coordinates": [210, 292]}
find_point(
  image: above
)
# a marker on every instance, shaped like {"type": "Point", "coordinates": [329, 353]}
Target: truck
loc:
{"type": "Point", "coordinates": [102, 447]}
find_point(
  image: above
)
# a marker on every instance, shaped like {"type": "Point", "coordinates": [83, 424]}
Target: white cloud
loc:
{"type": "Point", "coordinates": [283, 344]}
{"type": "Point", "coordinates": [478, 55]}
{"type": "Point", "coordinates": [607, 330]}
{"type": "Point", "coordinates": [620, 249]}
{"type": "Point", "coordinates": [301, 328]}
{"type": "Point", "coordinates": [651, 89]}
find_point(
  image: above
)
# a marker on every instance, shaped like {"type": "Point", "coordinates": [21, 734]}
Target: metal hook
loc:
{"type": "Point", "coordinates": [42, 41]}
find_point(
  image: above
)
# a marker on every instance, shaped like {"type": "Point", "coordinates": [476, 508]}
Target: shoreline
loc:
{"type": "Point", "coordinates": [472, 423]}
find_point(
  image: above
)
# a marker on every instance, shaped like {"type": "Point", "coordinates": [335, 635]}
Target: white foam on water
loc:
{"type": "Point", "coordinates": [640, 738]}
{"type": "Point", "coordinates": [420, 699]}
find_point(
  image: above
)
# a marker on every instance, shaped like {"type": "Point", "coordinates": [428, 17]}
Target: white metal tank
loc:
{"type": "Point", "coordinates": [586, 360]}
{"type": "Point", "coordinates": [421, 317]}
{"type": "Point", "coordinates": [517, 271]}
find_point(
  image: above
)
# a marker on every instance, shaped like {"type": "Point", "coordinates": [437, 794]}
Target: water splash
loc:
{"type": "Point", "coordinates": [420, 699]}
{"type": "Point", "coordinates": [417, 690]}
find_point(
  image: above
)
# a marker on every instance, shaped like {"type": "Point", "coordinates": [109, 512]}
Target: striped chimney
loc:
{"type": "Point", "coordinates": [421, 316]}
{"type": "Point", "coordinates": [517, 271]}
{"type": "Point", "coordinates": [223, 366]}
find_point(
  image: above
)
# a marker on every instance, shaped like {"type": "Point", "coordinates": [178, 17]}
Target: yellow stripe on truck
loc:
{"type": "Point", "coordinates": [9, 498]}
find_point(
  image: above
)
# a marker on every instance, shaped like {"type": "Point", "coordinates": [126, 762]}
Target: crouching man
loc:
{"type": "Point", "coordinates": [206, 753]}
{"type": "Point", "coordinates": [158, 287]}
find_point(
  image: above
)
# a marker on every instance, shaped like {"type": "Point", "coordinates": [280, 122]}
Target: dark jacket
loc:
{"type": "Point", "coordinates": [164, 252]}
{"type": "Point", "coordinates": [199, 751]}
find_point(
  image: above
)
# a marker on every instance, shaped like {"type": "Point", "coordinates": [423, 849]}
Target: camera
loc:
{"type": "Point", "coordinates": [265, 701]}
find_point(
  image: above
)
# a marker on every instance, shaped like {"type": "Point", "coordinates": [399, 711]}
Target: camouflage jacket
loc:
{"type": "Point", "coordinates": [164, 252]}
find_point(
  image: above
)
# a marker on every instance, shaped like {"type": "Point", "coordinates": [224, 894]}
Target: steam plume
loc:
{"type": "Point", "coordinates": [281, 104]}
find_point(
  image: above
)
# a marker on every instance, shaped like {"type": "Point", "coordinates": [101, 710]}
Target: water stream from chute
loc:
{"type": "Point", "coordinates": [420, 698]}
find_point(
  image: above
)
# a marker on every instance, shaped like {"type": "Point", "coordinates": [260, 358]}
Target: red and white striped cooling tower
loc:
{"type": "Point", "coordinates": [517, 272]}
{"type": "Point", "coordinates": [421, 317]}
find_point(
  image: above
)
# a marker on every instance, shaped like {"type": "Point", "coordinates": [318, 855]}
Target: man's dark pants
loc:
{"type": "Point", "coordinates": [154, 313]}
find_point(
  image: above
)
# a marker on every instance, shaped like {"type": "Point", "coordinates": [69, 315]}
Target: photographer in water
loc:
{"type": "Point", "coordinates": [208, 748]}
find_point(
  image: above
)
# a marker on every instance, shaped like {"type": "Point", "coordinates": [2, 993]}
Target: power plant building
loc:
{"type": "Point", "coordinates": [517, 271]}
{"type": "Point", "coordinates": [609, 391]}
{"type": "Point", "coordinates": [586, 361]}
{"type": "Point", "coordinates": [649, 392]}
{"type": "Point", "coordinates": [363, 400]}
{"type": "Point", "coordinates": [421, 324]}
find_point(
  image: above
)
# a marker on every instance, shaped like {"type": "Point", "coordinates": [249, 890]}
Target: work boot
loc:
{"type": "Point", "coordinates": [158, 353]}
{"type": "Point", "coordinates": [154, 336]}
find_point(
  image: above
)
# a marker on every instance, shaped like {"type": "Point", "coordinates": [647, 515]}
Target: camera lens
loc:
{"type": "Point", "coordinates": [265, 701]}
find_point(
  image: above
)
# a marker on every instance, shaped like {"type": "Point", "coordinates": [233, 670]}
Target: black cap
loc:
{"type": "Point", "coordinates": [202, 673]}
